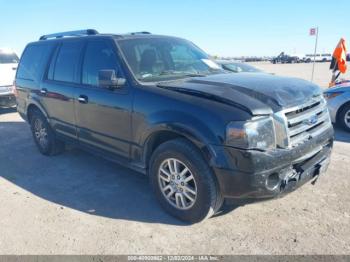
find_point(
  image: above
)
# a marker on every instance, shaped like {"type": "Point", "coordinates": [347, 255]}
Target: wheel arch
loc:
{"type": "Point", "coordinates": [340, 109]}
{"type": "Point", "coordinates": [156, 138]}
{"type": "Point", "coordinates": [32, 106]}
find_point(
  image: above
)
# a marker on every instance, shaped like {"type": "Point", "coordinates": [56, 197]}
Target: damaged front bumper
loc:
{"type": "Point", "coordinates": [256, 175]}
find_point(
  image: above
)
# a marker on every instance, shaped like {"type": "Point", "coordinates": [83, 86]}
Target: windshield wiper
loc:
{"type": "Point", "coordinates": [196, 75]}
{"type": "Point", "coordinates": [181, 73]}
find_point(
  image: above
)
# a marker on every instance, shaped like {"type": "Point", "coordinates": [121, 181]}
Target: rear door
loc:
{"type": "Point", "coordinates": [30, 74]}
{"type": "Point", "coordinates": [58, 89]}
{"type": "Point", "coordinates": [103, 115]}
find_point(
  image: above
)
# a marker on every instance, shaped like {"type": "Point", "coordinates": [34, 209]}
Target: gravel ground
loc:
{"type": "Point", "coordinates": [76, 203]}
{"type": "Point", "coordinates": [322, 75]}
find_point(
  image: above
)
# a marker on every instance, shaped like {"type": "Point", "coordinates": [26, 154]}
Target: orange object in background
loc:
{"type": "Point", "coordinates": [339, 55]}
{"type": "Point", "coordinates": [338, 62]}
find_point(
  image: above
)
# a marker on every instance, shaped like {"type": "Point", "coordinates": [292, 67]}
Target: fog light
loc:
{"type": "Point", "coordinates": [272, 181]}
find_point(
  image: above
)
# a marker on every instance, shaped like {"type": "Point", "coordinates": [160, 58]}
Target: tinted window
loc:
{"type": "Point", "coordinates": [8, 58]}
{"type": "Point", "coordinates": [181, 54]}
{"type": "Point", "coordinates": [67, 62]}
{"type": "Point", "coordinates": [33, 61]}
{"type": "Point", "coordinates": [99, 56]}
{"type": "Point", "coordinates": [165, 58]}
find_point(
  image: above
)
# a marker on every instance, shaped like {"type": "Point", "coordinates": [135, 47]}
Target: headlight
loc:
{"type": "Point", "coordinates": [329, 95]}
{"type": "Point", "coordinates": [258, 133]}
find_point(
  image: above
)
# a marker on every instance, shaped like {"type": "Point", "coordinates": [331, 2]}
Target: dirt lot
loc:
{"type": "Point", "coordinates": [322, 75]}
{"type": "Point", "coordinates": [76, 203]}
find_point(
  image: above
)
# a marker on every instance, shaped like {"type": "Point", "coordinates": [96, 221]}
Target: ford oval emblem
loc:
{"type": "Point", "coordinates": [313, 120]}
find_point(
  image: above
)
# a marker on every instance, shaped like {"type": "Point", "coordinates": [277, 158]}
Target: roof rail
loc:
{"type": "Point", "coordinates": [70, 33]}
{"type": "Point", "coordinates": [140, 33]}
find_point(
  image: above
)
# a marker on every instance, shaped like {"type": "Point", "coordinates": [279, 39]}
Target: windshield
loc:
{"type": "Point", "coordinates": [237, 68]}
{"type": "Point", "coordinates": [8, 58]}
{"type": "Point", "coordinates": [166, 58]}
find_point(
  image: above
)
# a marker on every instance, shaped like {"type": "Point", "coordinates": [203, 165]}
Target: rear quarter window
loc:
{"type": "Point", "coordinates": [33, 61]}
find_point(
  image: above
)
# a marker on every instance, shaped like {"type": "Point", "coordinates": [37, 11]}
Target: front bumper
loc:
{"type": "Point", "coordinates": [7, 100]}
{"type": "Point", "coordinates": [255, 175]}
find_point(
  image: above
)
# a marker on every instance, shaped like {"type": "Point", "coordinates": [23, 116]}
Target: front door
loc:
{"type": "Point", "coordinates": [103, 116]}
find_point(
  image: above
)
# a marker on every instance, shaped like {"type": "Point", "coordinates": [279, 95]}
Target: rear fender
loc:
{"type": "Point", "coordinates": [34, 101]}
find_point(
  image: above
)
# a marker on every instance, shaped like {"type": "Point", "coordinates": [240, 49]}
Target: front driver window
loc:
{"type": "Point", "coordinates": [99, 55]}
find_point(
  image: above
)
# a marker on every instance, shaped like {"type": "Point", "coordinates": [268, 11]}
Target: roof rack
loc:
{"type": "Point", "coordinates": [140, 33]}
{"type": "Point", "coordinates": [70, 33]}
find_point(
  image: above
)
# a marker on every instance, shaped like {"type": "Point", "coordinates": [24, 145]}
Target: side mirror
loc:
{"type": "Point", "coordinates": [108, 79]}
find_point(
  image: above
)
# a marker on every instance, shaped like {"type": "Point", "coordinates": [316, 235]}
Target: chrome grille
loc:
{"type": "Point", "coordinates": [306, 121]}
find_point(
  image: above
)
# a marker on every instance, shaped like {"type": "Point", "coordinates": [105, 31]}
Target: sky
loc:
{"type": "Point", "coordinates": [222, 27]}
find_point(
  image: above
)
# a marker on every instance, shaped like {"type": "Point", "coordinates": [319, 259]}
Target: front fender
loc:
{"type": "Point", "coordinates": [204, 135]}
{"type": "Point", "coordinates": [193, 128]}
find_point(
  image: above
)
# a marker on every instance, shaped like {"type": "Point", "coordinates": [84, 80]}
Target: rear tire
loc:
{"type": "Point", "coordinates": [344, 118]}
{"type": "Point", "coordinates": [44, 136]}
{"type": "Point", "coordinates": [200, 198]}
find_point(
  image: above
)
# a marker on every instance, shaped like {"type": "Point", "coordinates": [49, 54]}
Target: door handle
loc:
{"type": "Point", "coordinates": [43, 91]}
{"type": "Point", "coordinates": [83, 99]}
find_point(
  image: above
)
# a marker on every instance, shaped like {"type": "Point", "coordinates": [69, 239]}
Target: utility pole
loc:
{"type": "Point", "coordinates": [313, 65]}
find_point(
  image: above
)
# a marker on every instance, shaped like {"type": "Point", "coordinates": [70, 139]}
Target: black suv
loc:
{"type": "Point", "coordinates": [159, 105]}
{"type": "Point", "coordinates": [282, 58]}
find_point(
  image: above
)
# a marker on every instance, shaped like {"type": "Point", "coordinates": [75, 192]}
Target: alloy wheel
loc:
{"type": "Point", "coordinates": [177, 183]}
{"type": "Point", "coordinates": [40, 133]}
{"type": "Point", "coordinates": [347, 118]}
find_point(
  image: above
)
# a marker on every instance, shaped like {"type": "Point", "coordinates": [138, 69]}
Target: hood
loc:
{"type": "Point", "coordinates": [7, 74]}
{"type": "Point", "coordinates": [258, 94]}
{"type": "Point", "coordinates": [345, 87]}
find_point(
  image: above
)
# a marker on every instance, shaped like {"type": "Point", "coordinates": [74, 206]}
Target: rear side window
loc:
{"type": "Point", "coordinates": [33, 61]}
{"type": "Point", "coordinates": [99, 55]}
{"type": "Point", "coordinates": [65, 67]}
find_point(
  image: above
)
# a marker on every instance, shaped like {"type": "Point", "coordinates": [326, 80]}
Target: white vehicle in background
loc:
{"type": "Point", "coordinates": [318, 58]}
{"type": "Point", "coordinates": [299, 56]}
{"type": "Point", "coordinates": [8, 66]}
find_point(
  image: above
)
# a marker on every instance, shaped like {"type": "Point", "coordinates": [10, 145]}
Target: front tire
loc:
{"type": "Point", "coordinates": [44, 136]}
{"type": "Point", "coordinates": [344, 117]}
{"type": "Point", "coordinates": [183, 182]}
